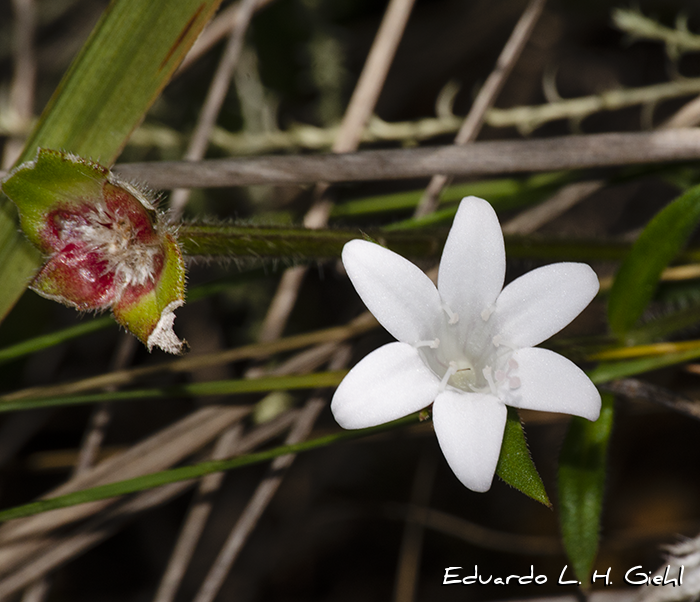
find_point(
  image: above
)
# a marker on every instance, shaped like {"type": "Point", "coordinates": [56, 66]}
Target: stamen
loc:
{"type": "Point", "coordinates": [512, 364]}
{"type": "Point", "coordinates": [500, 376]}
{"type": "Point", "coordinates": [489, 379]}
{"type": "Point", "coordinates": [514, 382]}
{"type": "Point", "coordinates": [454, 318]}
{"type": "Point", "coordinates": [450, 371]}
{"type": "Point", "coordinates": [496, 340]}
{"type": "Point", "coordinates": [434, 344]}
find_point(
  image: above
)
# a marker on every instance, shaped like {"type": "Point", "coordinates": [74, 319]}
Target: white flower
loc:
{"type": "Point", "coordinates": [465, 346]}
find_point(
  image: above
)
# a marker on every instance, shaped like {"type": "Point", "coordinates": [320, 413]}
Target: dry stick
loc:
{"type": "Point", "coordinates": [567, 197]}
{"type": "Point", "coordinates": [358, 113]}
{"type": "Point", "coordinates": [226, 446]}
{"type": "Point", "coordinates": [638, 389]}
{"type": "Point", "coordinates": [359, 325]}
{"type": "Point", "coordinates": [214, 100]}
{"type": "Point", "coordinates": [221, 26]}
{"type": "Point", "coordinates": [487, 96]}
{"type": "Point", "coordinates": [20, 539]}
{"type": "Point", "coordinates": [196, 519]}
{"type": "Point", "coordinates": [24, 78]}
{"type": "Point", "coordinates": [108, 522]}
{"type": "Point", "coordinates": [414, 528]}
{"type": "Point", "coordinates": [564, 199]}
{"type": "Point", "coordinates": [475, 159]}
{"type": "Point", "coordinates": [257, 504]}
{"type": "Point", "coordinates": [90, 448]}
{"type": "Point", "coordinates": [266, 490]}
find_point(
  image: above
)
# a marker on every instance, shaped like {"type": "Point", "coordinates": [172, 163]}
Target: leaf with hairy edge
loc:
{"type": "Point", "coordinates": [129, 58]}
{"type": "Point", "coordinates": [582, 466]}
{"type": "Point", "coordinates": [515, 465]}
{"type": "Point", "coordinates": [658, 245]}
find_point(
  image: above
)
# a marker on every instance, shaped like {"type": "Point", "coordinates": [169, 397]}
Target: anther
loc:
{"type": "Point", "coordinates": [514, 382]}
{"type": "Point", "coordinates": [496, 340]}
{"type": "Point", "coordinates": [486, 314]}
{"type": "Point", "coordinates": [453, 317]}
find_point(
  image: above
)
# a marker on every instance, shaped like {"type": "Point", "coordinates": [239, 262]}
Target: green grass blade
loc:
{"type": "Point", "coordinates": [120, 71]}
{"type": "Point", "coordinates": [658, 245]}
{"type": "Point", "coordinates": [582, 467]}
{"type": "Point", "coordinates": [186, 473]}
{"type": "Point", "coordinates": [218, 387]}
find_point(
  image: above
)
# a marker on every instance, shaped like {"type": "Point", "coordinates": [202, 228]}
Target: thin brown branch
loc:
{"type": "Point", "coordinates": [221, 26]}
{"type": "Point", "coordinates": [52, 554]}
{"type": "Point", "coordinates": [24, 78]}
{"type": "Point", "coordinates": [564, 199]}
{"type": "Point", "coordinates": [412, 542]}
{"type": "Point", "coordinates": [216, 94]}
{"type": "Point", "coordinates": [257, 504]}
{"type": "Point", "coordinates": [487, 96]}
{"type": "Point", "coordinates": [632, 388]}
{"type": "Point", "coordinates": [357, 115]}
{"type": "Point", "coordinates": [196, 519]}
{"type": "Point", "coordinates": [265, 491]}
{"type": "Point", "coordinates": [359, 325]}
{"type": "Point", "coordinates": [476, 159]}
{"type": "Point", "coordinates": [22, 538]}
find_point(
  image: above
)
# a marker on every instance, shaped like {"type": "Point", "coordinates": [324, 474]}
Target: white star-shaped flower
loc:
{"type": "Point", "coordinates": [466, 346]}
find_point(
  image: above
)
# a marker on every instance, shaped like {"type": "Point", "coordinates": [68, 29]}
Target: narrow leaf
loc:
{"type": "Point", "coordinates": [582, 466]}
{"type": "Point", "coordinates": [185, 473]}
{"type": "Point", "coordinates": [658, 245]}
{"type": "Point", "coordinates": [515, 465]}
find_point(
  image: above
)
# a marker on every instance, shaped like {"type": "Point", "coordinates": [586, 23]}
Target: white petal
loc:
{"type": "Point", "coordinates": [539, 304]}
{"type": "Point", "coordinates": [551, 383]}
{"type": "Point", "coordinates": [469, 429]}
{"type": "Point", "coordinates": [400, 295]}
{"type": "Point", "coordinates": [473, 262]}
{"type": "Point", "coordinates": [389, 383]}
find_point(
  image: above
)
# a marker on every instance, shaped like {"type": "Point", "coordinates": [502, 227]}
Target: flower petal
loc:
{"type": "Point", "coordinates": [473, 262]}
{"type": "Point", "coordinates": [398, 293]}
{"type": "Point", "coordinates": [389, 383]}
{"type": "Point", "coordinates": [469, 429]}
{"type": "Point", "coordinates": [551, 383]}
{"type": "Point", "coordinates": [540, 303]}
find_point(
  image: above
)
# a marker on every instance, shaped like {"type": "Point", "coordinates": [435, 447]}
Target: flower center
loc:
{"type": "Point", "coordinates": [470, 356]}
{"type": "Point", "coordinates": [119, 243]}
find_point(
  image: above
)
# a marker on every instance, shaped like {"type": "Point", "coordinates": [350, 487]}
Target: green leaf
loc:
{"type": "Point", "coordinates": [126, 62]}
{"type": "Point", "coordinates": [658, 245]}
{"type": "Point", "coordinates": [515, 465]}
{"type": "Point", "coordinates": [582, 466]}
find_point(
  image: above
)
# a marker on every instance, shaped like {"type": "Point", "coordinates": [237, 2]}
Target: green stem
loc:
{"type": "Point", "coordinates": [302, 244]}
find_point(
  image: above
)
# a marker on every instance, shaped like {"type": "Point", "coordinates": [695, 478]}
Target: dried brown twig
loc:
{"type": "Point", "coordinates": [476, 159]}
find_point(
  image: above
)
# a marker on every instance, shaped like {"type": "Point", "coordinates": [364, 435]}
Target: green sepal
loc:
{"type": "Point", "coordinates": [515, 465]}
{"type": "Point", "coordinates": [52, 179]}
{"type": "Point", "coordinates": [150, 316]}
